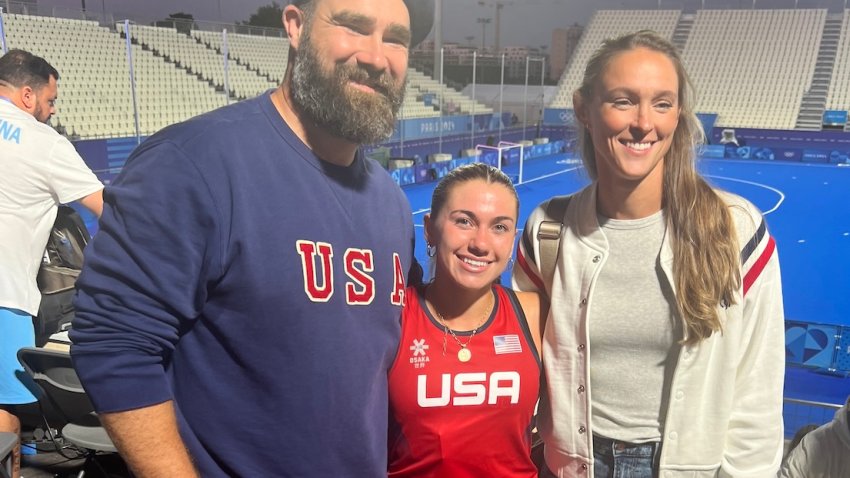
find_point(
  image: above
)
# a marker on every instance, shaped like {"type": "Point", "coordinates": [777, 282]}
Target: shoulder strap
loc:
{"type": "Point", "coordinates": [549, 236]}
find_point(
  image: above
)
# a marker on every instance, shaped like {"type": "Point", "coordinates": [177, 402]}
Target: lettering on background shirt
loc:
{"type": "Point", "coordinates": [10, 132]}
{"type": "Point", "coordinates": [359, 266]}
{"type": "Point", "coordinates": [308, 251]}
{"type": "Point", "coordinates": [357, 263]}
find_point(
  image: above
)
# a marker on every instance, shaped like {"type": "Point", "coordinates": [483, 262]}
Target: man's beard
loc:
{"type": "Point", "coordinates": [329, 100]}
{"type": "Point", "coordinates": [40, 116]}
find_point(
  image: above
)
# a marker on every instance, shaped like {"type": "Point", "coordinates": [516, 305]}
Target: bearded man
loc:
{"type": "Point", "coordinates": [238, 310]}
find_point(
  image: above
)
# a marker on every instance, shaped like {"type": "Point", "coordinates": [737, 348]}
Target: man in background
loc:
{"type": "Point", "coordinates": [239, 308]}
{"type": "Point", "coordinates": [823, 452]}
{"type": "Point", "coordinates": [40, 170]}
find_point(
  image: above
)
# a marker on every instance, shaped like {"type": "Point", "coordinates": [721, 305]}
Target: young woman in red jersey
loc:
{"type": "Point", "coordinates": [465, 381]}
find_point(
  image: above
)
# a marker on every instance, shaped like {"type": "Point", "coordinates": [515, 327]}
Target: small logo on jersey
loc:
{"type": "Point", "coordinates": [507, 344]}
{"type": "Point", "coordinates": [420, 354]}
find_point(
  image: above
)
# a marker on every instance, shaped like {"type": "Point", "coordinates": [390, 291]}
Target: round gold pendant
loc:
{"type": "Point", "coordinates": [464, 355]}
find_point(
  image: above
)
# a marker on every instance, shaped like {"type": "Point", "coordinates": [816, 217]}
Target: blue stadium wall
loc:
{"type": "Point", "coordinates": [414, 139]}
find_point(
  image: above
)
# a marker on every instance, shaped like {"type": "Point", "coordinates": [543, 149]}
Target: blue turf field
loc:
{"type": "Point", "coordinates": [807, 208]}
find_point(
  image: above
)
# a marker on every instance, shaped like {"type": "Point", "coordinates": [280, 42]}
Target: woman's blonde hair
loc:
{"type": "Point", "coordinates": [706, 263]}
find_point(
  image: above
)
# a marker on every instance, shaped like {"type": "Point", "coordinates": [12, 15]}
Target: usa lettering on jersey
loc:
{"type": "Point", "coordinates": [466, 389]}
{"type": "Point", "coordinates": [359, 265]}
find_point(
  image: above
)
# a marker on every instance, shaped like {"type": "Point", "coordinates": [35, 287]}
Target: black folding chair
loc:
{"type": "Point", "coordinates": [54, 373]}
{"type": "Point", "coordinates": [7, 444]}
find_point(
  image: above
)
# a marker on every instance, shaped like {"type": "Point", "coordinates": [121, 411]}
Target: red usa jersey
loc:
{"type": "Point", "coordinates": [463, 419]}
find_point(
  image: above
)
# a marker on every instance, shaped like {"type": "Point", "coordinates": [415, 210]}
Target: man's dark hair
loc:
{"type": "Point", "coordinates": [21, 68]}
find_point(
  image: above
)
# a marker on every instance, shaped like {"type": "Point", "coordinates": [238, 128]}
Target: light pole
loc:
{"type": "Point", "coordinates": [484, 22]}
{"type": "Point", "coordinates": [528, 60]}
{"type": "Point", "coordinates": [438, 39]}
{"type": "Point", "coordinates": [499, 6]}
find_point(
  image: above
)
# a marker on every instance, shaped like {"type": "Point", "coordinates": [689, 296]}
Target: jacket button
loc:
{"type": "Point", "coordinates": [673, 435]}
{"type": "Point", "coordinates": [584, 301]}
{"type": "Point", "coordinates": [581, 429]}
{"type": "Point", "coordinates": [584, 466]}
{"type": "Point", "coordinates": [580, 388]}
{"type": "Point", "coordinates": [581, 348]}
{"type": "Point", "coordinates": [596, 259]}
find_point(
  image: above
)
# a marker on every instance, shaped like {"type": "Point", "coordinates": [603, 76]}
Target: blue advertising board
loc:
{"type": "Point", "coordinates": [404, 176]}
{"type": "Point", "coordinates": [424, 128]}
{"type": "Point", "coordinates": [834, 118]}
{"type": "Point", "coordinates": [441, 169]}
{"type": "Point", "coordinates": [490, 157]}
{"type": "Point", "coordinates": [713, 151]}
{"type": "Point", "coordinates": [559, 117]}
{"type": "Point", "coordinates": [764, 153]}
{"type": "Point", "coordinates": [815, 156]}
{"type": "Point", "coordinates": [842, 353]}
{"type": "Point", "coordinates": [810, 345]}
{"type": "Point", "coordinates": [511, 156]}
{"type": "Point", "coordinates": [707, 120]}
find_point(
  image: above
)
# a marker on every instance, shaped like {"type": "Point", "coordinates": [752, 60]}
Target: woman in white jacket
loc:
{"type": "Point", "coordinates": [664, 351]}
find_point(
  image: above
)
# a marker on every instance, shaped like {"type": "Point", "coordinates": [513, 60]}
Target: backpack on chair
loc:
{"type": "Point", "coordinates": [60, 267]}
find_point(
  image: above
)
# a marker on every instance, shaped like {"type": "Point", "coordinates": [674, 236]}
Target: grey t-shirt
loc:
{"type": "Point", "coordinates": [634, 333]}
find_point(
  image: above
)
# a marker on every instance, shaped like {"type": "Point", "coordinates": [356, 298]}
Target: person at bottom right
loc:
{"type": "Point", "coordinates": [823, 452]}
{"type": "Point", "coordinates": [664, 351]}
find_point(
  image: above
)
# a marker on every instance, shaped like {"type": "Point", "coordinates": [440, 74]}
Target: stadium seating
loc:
{"type": "Point", "coordinates": [768, 68]}
{"type": "Point", "coordinates": [265, 55]}
{"type": "Point", "coordinates": [95, 95]}
{"type": "Point", "coordinates": [609, 24]}
{"type": "Point", "coordinates": [838, 97]}
{"type": "Point", "coordinates": [191, 54]}
{"type": "Point", "coordinates": [454, 102]}
{"type": "Point", "coordinates": [176, 75]}
{"type": "Point", "coordinates": [752, 67]}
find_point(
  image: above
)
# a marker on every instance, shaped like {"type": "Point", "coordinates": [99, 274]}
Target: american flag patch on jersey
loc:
{"type": "Point", "coordinates": [507, 344]}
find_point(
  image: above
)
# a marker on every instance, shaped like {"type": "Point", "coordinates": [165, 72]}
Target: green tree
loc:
{"type": "Point", "coordinates": [268, 16]}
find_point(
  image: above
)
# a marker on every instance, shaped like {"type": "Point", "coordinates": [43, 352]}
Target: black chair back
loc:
{"type": "Point", "coordinates": [54, 374]}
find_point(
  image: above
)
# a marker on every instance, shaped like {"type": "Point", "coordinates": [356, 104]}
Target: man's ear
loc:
{"type": "Point", "coordinates": [293, 23]}
{"type": "Point", "coordinates": [28, 97]}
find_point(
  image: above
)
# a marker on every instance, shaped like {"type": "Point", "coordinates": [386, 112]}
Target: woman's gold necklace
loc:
{"type": "Point", "coordinates": [464, 354]}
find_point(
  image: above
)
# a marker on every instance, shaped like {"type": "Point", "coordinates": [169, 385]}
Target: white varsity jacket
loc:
{"type": "Point", "coordinates": [725, 410]}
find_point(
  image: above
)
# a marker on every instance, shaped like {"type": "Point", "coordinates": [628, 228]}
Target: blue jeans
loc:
{"type": "Point", "coordinates": [616, 459]}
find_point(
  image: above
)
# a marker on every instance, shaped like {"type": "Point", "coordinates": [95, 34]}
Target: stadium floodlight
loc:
{"type": "Point", "coordinates": [474, 100]}
{"type": "Point", "coordinates": [525, 96]}
{"type": "Point", "coordinates": [484, 22]}
{"type": "Point", "coordinates": [499, 5]}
